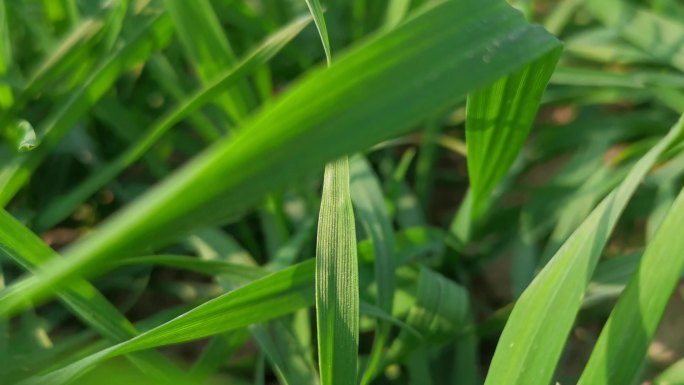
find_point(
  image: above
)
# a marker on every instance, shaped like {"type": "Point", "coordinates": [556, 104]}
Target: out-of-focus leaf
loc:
{"type": "Point", "coordinates": [292, 364]}
{"type": "Point", "coordinates": [659, 36]}
{"type": "Point", "coordinates": [150, 36]}
{"type": "Point", "coordinates": [62, 207]}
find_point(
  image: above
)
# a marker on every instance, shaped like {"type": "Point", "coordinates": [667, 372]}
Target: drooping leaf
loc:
{"type": "Point", "coordinates": [440, 312]}
{"type": "Point", "coordinates": [337, 279]}
{"type": "Point", "coordinates": [267, 298]}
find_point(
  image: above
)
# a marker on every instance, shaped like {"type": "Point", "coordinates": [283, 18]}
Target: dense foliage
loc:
{"type": "Point", "coordinates": [340, 192]}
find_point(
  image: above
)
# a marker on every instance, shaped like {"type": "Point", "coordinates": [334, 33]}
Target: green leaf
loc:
{"type": "Point", "coordinates": [337, 279]}
{"type": "Point", "coordinates": [316, 121]}
{"type": "Point", "coordinates": [498, 120]}
{"type": "Point", "coordinates": [217, 351]}
{"type": "Point", "coordinates": [427, 158]}
{"type": "Point", "coordinates": [6, 97]}
{"type": "Point", "coordinates": [616, 359]}
{"type": "Point", "coordinates": [270, 297]}
{"type": "Point", "coordinates": [317, 13]}
{"type": "Point", "coordinates": [605, 46]}
{"type": "Point", "coordinates": [674, 375]}
{"type": "Point", "coordinates": [73, 46]}
{"type": "Point", "coordinates": [233, 271]}
{"type": "Point", "coordinates": [396, 11]}
{"type": "Point", "coordinates": [541, 320]}
{"type": "Point", "coordinates": [369, 205]}
{"type": "Point", "coordinates": [561, 14]}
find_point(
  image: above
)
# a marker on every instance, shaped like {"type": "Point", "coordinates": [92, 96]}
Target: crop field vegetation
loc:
{"type": "Point", "coordinates": [342, 192]}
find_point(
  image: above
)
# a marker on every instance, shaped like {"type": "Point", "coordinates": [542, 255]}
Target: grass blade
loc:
{"type": "Point", "coordinates": [498, 120]}
{"type": "Point", "coordinates": [317, 13]}
{"type": "Point", "coordinates": [396, 11]}
{"type": "Point", "coordinates": [337, 270]}
{"type": "Point", "coordinates": [337, 279]}
{"type": "Point", "coordinates": [290, 360]}
{"type": "Point", "coordinates": [369, 204]}
{"type": "Point", "coordinates": [543, 316]}
{"type": "Point", "coordinates": [674, 375]}
{"type": "Point", "coordinates": [615, 359]}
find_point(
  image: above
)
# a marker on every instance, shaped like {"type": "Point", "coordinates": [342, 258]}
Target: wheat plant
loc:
{"type": "Point", "coordinates": [331, 192]}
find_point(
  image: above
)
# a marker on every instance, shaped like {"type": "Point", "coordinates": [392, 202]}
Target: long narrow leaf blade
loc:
{"type": "Point", "coordinates": [616, 359]}
{"type": "Point", "coordinates": [270, 297]}
{"type": "Point", "coordinates": [337, 279]}
{"type": "Point", "coordinates": [534, 336]}
{"type": "Point", "coordinates": [317, 12]}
